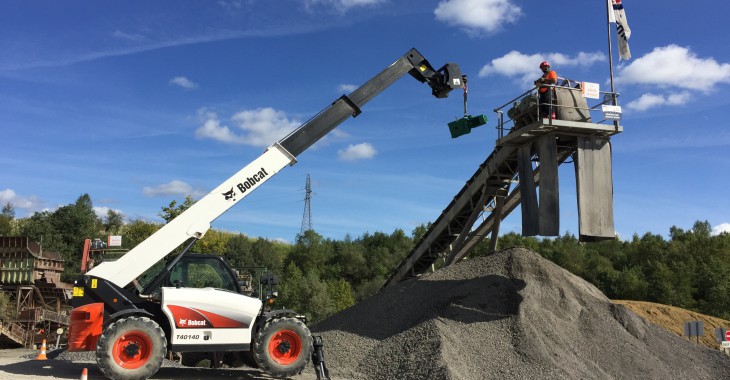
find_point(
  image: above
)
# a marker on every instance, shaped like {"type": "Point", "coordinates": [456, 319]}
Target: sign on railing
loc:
{"type": "Point", "coordinates": [590, 90]}
{"type": "Point", "coordinates": [611, 112]}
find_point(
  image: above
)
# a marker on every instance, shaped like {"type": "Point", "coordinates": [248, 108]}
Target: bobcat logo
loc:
{"type": "Point", "coordinates": [230, 194]}
{"type": "Point", "coordinates": [183, 322]}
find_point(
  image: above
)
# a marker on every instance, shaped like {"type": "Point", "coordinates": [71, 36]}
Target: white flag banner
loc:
{"type": "Point", "coordinates": [622, 29]}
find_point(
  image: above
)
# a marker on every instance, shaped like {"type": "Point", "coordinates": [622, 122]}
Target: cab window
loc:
{"type": "Point", "coordinates": [201, 272]}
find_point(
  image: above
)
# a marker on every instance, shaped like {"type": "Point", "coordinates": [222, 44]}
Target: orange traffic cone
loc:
{"type": "Point", "coordinates": [42, 355]}
{"type": "Point", "coordinates": [84, 374]}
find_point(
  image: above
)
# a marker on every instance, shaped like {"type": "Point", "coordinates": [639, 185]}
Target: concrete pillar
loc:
{"type": "Point", "coordinates": [549, 207]}
{"type": "Point", "coordinates": [528, 193]}
{"type": "Point", "coordinates": [594, 184]}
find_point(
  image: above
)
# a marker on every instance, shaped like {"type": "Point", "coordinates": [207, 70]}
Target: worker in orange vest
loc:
{"type": "Point", "coordinates": [546, 93]}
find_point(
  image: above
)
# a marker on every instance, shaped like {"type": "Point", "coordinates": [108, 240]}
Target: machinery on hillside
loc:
{"type": "Point", "coordinates": [194, 303]}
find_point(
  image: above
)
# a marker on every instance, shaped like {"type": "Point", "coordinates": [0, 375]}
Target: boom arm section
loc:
{"type": "Point", "coordinates": [195, 221]}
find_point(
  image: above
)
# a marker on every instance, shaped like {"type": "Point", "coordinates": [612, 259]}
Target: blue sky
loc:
{"type": "Point", "coordinates": [138, 103]}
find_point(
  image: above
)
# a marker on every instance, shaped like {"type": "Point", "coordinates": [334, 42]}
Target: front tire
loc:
{"type": "Point", "coordinates": [283, 347]}
{"type": "Point", "coordinates": [131, 348]}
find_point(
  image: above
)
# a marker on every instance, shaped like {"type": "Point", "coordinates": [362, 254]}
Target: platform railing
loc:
{"type": "Point", "coordinates": [524, 109]}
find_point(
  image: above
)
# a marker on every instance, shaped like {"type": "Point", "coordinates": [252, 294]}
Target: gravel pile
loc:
{"type": "Point", "coordinates": [511, 315]}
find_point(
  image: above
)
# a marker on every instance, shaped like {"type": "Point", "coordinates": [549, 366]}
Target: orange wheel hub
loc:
{"type": "Point", "coordinates": [285, 347]}
{"type": "Point", "coordinates": [132, 349]}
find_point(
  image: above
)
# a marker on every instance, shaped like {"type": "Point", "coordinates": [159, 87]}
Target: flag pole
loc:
{"type": "Point", "coordinates": [610, 50]}
{"type": "Point", "coordinates": [610, 55]}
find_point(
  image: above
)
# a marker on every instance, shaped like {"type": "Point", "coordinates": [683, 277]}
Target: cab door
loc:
{"type": "Point", "coordinates": [204, 306]}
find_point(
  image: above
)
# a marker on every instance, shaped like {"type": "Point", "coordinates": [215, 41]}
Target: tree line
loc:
{"type": "Point", "coordinates": [320, 277]}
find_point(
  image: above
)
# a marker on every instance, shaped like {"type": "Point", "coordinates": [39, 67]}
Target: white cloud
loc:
{"type": "Point", "coordinates": [478, 16]}
{"type": "Point", "coordinates": [174, 187]}
{"type": "Point", "coordinates": [183, 82]}
{"type": "Point", "coordinates": [650, 100]}
{"type": "Point", "coordinates": [525, 67]}
{"type": "Point", "coordinates": [721, 228]}
{"type": "Point", "coordinates": [341, 5]}
{"type": "Point", "coordinates": [212, 129]}
{"type": "Point", "coordinates": [31, 203]}
{"type": "Point", "coordinates": [264, 126]}
{"type": "Point", "coordinates": [260, 127]}
{"type": "Point", "coordinates": [348, 88]}
{"type": "Point", "coordinates": [357, 152]}
{"type": "Point", "coordinates": [675, 67]}
{"type": "Point", "coordinates": [127, 36]}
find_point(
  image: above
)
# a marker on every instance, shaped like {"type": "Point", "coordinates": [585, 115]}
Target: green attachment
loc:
{"type": "Point", "coordinates": [460, 127]}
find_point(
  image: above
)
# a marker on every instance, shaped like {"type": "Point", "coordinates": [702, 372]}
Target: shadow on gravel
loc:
{"type": "Point", "coordinates": [59, 369]}
{"type": "Point", "coordinates": [484, 299]}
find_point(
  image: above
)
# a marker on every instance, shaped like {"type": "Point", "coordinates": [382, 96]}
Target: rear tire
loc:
{"type": "Point", "coordinates": [283, 347]}
{"type": "Point", "coordinates": [131, 348]}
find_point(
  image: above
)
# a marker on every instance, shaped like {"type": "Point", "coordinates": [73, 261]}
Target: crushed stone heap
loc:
{"type": "Point", "coordinates": [512, 315]}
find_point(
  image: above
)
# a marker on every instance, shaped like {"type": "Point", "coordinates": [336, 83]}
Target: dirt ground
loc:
{"type": "Point", "coordinates": [673, 319]}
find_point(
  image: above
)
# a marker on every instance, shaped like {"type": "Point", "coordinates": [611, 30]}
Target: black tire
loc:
{"type": "Point", "coordinates": [131, 348]}
{"type": "Point", "coordinates": [283, 347]}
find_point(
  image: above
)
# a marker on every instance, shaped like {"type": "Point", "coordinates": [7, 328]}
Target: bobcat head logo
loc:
{"type": "Point", "coordinates": [230, 194]}
{"type": "Point", "coordinates": [183, 322]}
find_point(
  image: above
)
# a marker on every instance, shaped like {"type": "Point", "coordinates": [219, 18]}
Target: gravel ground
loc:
{"type": "Point", "coordinates": [513, 315]}
{"type": "Point", "coordinates": [21, 364]}
{"type": "Point", "coordinates": [86, 356]}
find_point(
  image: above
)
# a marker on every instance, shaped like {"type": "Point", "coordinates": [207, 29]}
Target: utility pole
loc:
{"type": "Point", "coordinates": [307, 217]}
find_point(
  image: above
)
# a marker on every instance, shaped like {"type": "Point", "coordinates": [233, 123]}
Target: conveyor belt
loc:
{"type": "Point", "coordinates": [451, 236]}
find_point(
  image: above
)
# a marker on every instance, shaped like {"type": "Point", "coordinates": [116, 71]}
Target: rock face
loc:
{"type": "Point", "coordinates": [512, 315]}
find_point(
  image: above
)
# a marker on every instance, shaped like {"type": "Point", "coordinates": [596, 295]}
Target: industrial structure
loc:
{"type": "Point", "coordinates": [528, 151]}
{"type": "Point", "coordinates": [31, 279]}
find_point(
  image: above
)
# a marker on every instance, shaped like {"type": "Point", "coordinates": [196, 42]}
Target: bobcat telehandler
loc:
{"type": "Point", "coordinates": [132, 328]}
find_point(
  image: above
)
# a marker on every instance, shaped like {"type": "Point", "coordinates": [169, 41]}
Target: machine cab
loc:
{"type": "Point", "coordinates": [192, 271]}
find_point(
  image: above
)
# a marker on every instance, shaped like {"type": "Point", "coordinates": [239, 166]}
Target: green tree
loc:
{"type": "Point", "coordinates": [136, 232]}
{"type": "Point", "coordinates": [420, 231]}
{"type": "Point", "coordinates": [9, 210]}
{"type": "Point", "coordinates": [309, 252]}
{"type": "Point", "coordinates": [349, 259]}
{"type": "Point", "coordinates": [6, 308]}
{"type": "Point", "coordinates": [64, 231]}
{"type": "Point", "coordinates": [340, 292]}
{"type": "Point", "coordinates": [173, 209]}
{"type": "Point", "coordinates": [512, 239]}
{"type": "Point", "coordinates": [74, 223]}
{"type": "Point", "coordinates": [213, 242]}
{"type": "Point", "coordinates": [631, 285]}
{"type": "Point", "coordinates": [238, 251]}
{"type": "Point", "coordinates": [113, 222]}
{"type": "Point", "coordinates": [6, 219]}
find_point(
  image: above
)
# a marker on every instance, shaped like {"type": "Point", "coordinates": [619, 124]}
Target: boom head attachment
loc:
{"type": "Point", "coordinates": [449, 79]}
{"type": "Point", "coordinates": [441, 81]}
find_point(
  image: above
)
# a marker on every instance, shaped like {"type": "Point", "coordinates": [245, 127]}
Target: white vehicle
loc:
{"type": "Point", "coordinates": [132, 328]}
